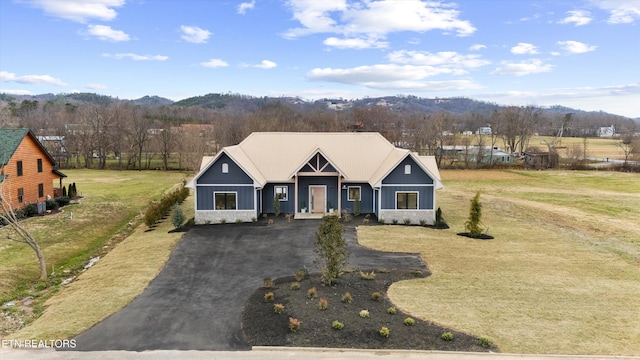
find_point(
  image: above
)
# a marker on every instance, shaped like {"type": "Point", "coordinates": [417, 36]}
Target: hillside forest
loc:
{"type": "Point", "coordinates": [96, 131]}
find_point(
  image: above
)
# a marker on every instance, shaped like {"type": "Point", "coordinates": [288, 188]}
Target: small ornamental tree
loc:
{"type": "Point", "coordinates": [475, 215]}
{"type": "Point", "coordinates": [332, 248]}
{"type": "Point", "coordinates": [177, 216]}
{"type": "Point", "coordinates": [356, 207]}
{"type": "Point", "coordinates": [276, 205]}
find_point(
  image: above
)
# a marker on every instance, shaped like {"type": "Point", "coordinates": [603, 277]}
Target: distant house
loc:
{"type": "Point", "coordinates": [541, 159]}
{"type": "Point", "coordinates": [489, 155]}
{"type": "Point", "coordinates": [607, 131]}
{"type": "Point", "coordinates": [27, 170]}
{"type": "Point", "coordinates": [312, 174]}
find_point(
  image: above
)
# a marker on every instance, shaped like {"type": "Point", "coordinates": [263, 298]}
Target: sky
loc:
{"type": "Point", "coordinates": [583, 54]}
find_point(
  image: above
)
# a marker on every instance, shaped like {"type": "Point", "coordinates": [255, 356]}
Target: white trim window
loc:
{"type": "Point", "coordinates": [407, 200]}
{"type": "Point", "coordinates": [225, 200]}
{"type": "Point", "coordinates": [407, 169]}
{"type": "Point", "coordinates": [354, 193]}
{"type": "Point", "coordinates": [225, 168]}
{"type": "Point", "coordinates": [282, 192]}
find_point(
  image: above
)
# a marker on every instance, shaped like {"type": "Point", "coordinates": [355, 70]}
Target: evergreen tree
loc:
{"type": "Point", "coordinates": [332, 248]}
{"type": "Point", "coordinates": [475, 215]}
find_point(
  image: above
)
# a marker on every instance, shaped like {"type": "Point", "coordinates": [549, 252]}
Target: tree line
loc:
{"type": "Point", "coordinates": [124, 135]}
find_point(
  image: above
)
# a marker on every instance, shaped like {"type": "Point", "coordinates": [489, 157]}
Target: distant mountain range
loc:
{"type": "Point", "coordinates": [455, 105]}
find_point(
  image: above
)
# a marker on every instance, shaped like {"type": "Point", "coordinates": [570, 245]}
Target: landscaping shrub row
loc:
{"type": "Point", "coordinates": [158, 209]}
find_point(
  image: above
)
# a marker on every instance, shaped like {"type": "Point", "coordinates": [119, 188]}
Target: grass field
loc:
{"type": "Point", "coordinates": [561, 276]}
{"type": "Point", "coordinates": [111, 200]}
{"type": "Point", "coordinates": [599, 148]}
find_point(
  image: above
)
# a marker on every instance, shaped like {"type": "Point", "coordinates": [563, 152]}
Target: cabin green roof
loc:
{"type": "Point", "coordinates": [10, 139]}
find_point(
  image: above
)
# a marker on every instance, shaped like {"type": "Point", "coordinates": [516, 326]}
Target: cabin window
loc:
{"type": "Point", "coordinates": [40, 190]}
{"type": "Point", "coordinates": [407, 200]}
{"type": "Point", "coordinates": [407, 169]}
{"type": "Point", "coordinates": [354, 193]}
{"type": "Point", "coordinates": [39, 165]}
{"type": "Point", "coordinates": [19, 167]}
{"type": "Point", "coordinates": [225, 168]}
{"type": "Point", "coordinates": [226, 200]}
{"type": "Point", "coordinates": [281, 192]}
{"type": "Point", "coordinates": [20, 195]}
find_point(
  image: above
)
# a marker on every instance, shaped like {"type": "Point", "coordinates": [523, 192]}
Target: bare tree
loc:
{"type": "Point", "coordinates": [8, 217]}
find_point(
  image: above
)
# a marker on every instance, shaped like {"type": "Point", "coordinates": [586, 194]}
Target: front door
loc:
{"type": "Point", "coordinates": [318, 196]}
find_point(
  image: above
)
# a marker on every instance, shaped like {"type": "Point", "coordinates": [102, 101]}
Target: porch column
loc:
{"type": "Point", "coordinates": [339, 196]}
{"type": "Point", "coordinates": [295, 197]}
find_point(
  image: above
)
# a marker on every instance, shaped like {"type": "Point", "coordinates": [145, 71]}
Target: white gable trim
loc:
{"type": "Point", "coordinates": [194, 182]}
{"type": "Point", "coordinates": [310, 157]}
{"type": "Point", "coordinates": [436, 182]}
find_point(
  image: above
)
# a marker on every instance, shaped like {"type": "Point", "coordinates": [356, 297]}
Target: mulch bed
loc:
{"type": "Point", "coordinates": [263, 327]}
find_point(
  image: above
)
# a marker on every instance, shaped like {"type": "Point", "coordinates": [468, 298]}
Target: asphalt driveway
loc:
{"type": "Point", "coordinates": [196, 301]}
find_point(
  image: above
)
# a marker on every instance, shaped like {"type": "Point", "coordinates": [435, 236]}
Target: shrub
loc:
{"type": "Point", "coordinates": [484, 342]}
{"type": "Point", "coordinates": [177, 216]}
{"type": "Point", "coordinates": [381, 220]}
{"type": "Point", "coordinates": [63, 200]}
{"type": "Point", "coordinates": [337, 325]}
{"type": "Point", "coordinates": [268, 283]}
{"type": "Point", "coordinates": [30, 210]}
{"type": "Point", "coordinates": [239, 221]}
{"type": "Point", "coordinates": [383, 270]}
{"type": "Point", "coordinates": [294, 286]}
{"type": "Point", "coordinates": [253, 219]}
{"type": "Point", "coordinates": [369, 276]}
{"type": "Point", "coordinates": [52, 205]}
{"type": "Point", "coordinates": [407, 221]}
{"type": "Point", "coordinates": [391, 310]}
{"type": "Point", "coordinates": [278, 308]}
{"type": "Point", "coordinates": [276, 205]}
{"type": "Point", "coordinates": [384, 331]}
{"type": "Point", "coordinates": [475, 215]}
{"type": "Point", "coordinates": [356, 207]}
{"type": "Point", "coordinates": [223, 221]}
{"type": "Point", "coordinates": [294, 324]}
{"type": "Point", "coordinates": [157, 209]}
{"type": "Point", "coordinates": [323, 304]}
{"type": "Point", "coordinates": [409, 321]}
{"type": "Point", "coordinates": [346, 298]}
{"type": "Point", "coordinates": [447, 336]}
{"type": "Point", "coordinates": [423, 223]}
{"type": "Point", "coordinates": [312, 293]}
{"type": "Point", "coordinates": [440, 223]}
{"type": "Point", "coordinates": [269, 297]}
{"type": "Point", "coordinates": [416, 273]}
{"type": "Point", "coordinates": [364, 313]}
{"type": "Point", "coordinates": [395, 221]}
{"type": "Point", "coordinates": [331, 248]}
{"type": "Point", "coordinates": [376, 296]}
{"type": "Point", "coordinates": [301, 274]}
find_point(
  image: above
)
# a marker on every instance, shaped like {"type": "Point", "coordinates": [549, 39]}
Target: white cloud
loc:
{"type": "Point", "coordinates": [79, 10]}
{"type": "Point", "coordinates": [214, 63]}
{"type": "Point", "coordinates": [373, 20]}
{"type": "Point", "coordinates": [243, 7]}
{"type": "Point", "coordinates": [443, 58]}
{"type": "Point", "coordinates": [16, 92]}
{"type": "Point", "coordinates": [355, 43]}
{"type": "Point", "coordinates": [476, 47]}
{"type": "Point", "coordinates": [30, 79]}
{"type": "Point", "coordinates": [577, 17]}
{"type": "Point", "coordinates": [136, 57]}
{"type": "Point", "coordinates": [106, 33]}
{"type": "Point", "coordinates": [96, 87]}
{"type": "Point", "coordinates": [575, 47]}
{"type": "Point", "coordinates": [531, 66]}
{"type": "Point", "coordinates": [194, 34]}
{"type": "Point", "coordinates": [266, 64]}
{"type": "Point", "coordinates": [524, 48]}
{"type": "Point", "coordinates": [620, 11]}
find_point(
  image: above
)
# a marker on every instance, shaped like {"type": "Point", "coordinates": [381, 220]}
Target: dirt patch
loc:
{"type": "Point", "coordinates": [263, 327]}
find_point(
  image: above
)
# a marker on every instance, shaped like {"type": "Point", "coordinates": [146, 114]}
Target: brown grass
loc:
{"type": "Point", "coordinates": [109, 285]}
{"type": "Point", "coordinates": [561, 275]}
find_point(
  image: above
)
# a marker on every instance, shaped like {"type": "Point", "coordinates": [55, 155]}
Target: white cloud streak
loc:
{"type": "Point", "coordinates": [194, 34]}
{"type": "Point", "coordinates": [79, 10]}
{"type": "Point", "coordinates": [620, 11]}
{"type": "Point", "coordinates": [136, 57]}
{"type": "Point", "coordinates": [577, 17]}
{"type": "Point", "coordinates": [96, 87]}
{"type": "Point", "coordinates": [527, 67]}
{"type": "Point", "coordinates": [243, 7]}
{"type": "Point", "coordinates": [6, 76]}
{"type": "Point", "coordinates": [266, 64]}
{"type": "Point", "coordinates": [575, 47]}
{"type": "Point", "coordinates": [524, 48]}
{"type": "Point", "coordinates": [364, 24]}
{"type": "Point", "coordinates": [106, 33]}
{"type": "Point", "coordinates": [214, 63]}
{"type": "Point", "coordinates": [476, 47]}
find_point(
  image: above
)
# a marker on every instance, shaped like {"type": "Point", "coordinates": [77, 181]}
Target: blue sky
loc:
{"type": "Point", "coordinates": [578, 53]}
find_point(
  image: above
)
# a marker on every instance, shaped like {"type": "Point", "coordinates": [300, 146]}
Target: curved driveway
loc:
{"type": "Point", "coordinates": [196, 301]}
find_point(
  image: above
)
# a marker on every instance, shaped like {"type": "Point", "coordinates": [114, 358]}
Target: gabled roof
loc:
{"type": "Point", "coordinates": [359, 157]}
{"type": "Point", "coordinates": [10, 139]}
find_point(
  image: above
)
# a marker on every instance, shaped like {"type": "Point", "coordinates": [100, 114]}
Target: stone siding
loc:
{"type": "Point", "coordinates": [388, 216]}
{"type": "Point", "coordinates": [228, 216]}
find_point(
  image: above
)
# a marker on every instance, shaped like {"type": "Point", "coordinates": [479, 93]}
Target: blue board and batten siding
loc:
{"type": "Point", "coordinates": [268, 195]}
{"type": "Point", "coordinates": [417, 181]}
{"type": "Point", "coordinates": [233, 179]}
{"type": "Point", "coordinates": [366, 198]}
{"type": "Point", "coordinates": [417, 176]}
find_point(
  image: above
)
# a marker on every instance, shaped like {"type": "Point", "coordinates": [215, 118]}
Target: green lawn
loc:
{"type": "Point", "coordinates": [561, 276]}
{"type": "Point", "coordinates": [106, 213]}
